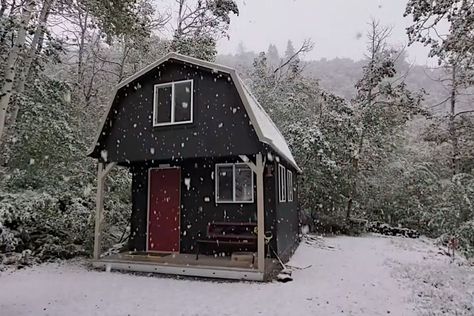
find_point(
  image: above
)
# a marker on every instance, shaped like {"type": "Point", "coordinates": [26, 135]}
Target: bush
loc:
{"type": "Point", "coordinates": [44, 226]}
{"type": "Point", "coordinates": [332, 224]}
{"type": "Point", "coordinates": [465, 234]}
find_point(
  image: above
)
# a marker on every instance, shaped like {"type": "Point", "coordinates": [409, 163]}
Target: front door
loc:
{"type": "Point", "coordinates": [163, 210]}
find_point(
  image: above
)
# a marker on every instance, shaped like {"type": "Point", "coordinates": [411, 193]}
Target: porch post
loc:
{"type": "Point", "coordinates": [260, 214]}
{"type": "Point", "coordinates": [102, 172]}
{"type": "Point", "coordinates": [258, 168]}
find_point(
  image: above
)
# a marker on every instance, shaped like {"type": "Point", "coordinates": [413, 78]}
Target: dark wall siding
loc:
{"type": "Point", "coordinates": [287, 219]}
{"type": "Point", "coordinates": [138, 221]}
{"type": "Point", "coordinates": [270, 207]}
{"type": "Point", "coordinates": [221, 125]}
{"type": "Point", "coordinates": [196, 213]}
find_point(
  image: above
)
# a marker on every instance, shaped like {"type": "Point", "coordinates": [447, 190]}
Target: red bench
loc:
{"type": "Point", "coordinates": [227, 236]}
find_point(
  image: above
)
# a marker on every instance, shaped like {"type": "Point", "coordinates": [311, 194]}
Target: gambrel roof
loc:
{"type": "Point", "coordinates": [265, 128]}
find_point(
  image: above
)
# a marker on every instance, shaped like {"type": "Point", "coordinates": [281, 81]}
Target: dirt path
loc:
{"type": "Point", "coordinates": [348, 276]}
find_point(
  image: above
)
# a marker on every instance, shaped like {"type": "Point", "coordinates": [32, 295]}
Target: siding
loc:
{"type": "Point", "coordinates": [287, 220]}
{"type": "Point", "coordinates": [196, 213]}
{"type": "Point", "coordinates": [221, 126]}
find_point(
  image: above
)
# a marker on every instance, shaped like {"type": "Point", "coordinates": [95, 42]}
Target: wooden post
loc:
{"type": "Point", "coordinates": [99, 207]}
{"type": "Point", "coordinates": [260, 214]}
{"type": "Point", "coordinates": [258, 169]}
{"type": "Point", "coordinates": [99, 212]}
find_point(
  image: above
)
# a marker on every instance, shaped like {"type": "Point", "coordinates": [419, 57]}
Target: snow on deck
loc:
{"type": "Point", "coordinates": [368, 275]}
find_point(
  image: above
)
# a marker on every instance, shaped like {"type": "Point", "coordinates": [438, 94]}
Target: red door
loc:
{"type": "Point", "coordinates": [163, 211]}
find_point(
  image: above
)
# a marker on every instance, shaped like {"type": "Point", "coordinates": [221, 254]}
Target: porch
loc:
{"type": "Point", "coordinates": [180, 258]}
{"type": "Point", "coordinates": [221, 267]}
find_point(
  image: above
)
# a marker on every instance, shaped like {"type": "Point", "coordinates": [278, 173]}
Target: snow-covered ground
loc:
{"type": "Point", "coordinates": [371, 275]}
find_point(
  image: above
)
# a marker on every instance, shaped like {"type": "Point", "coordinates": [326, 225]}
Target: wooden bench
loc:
{"type": "Point", "coordinates": [229, 236]}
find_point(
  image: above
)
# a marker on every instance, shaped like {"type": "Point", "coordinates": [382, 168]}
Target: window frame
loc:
{"type": "Point", "coordinates": [216, 181]}
{"type": "Point", "coordinates": [282, 187]}
{"type": "Point", "coordinates": [289, 185]}
{"type": "Point", "coordinates": [171, 84]}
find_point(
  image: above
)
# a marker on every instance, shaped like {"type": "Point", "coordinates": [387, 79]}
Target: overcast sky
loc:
{"type": "Point", "coordinates": [334, 25]}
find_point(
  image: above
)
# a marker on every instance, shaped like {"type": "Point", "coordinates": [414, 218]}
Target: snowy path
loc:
{"type": "Point", "coordinates": [360, 276]}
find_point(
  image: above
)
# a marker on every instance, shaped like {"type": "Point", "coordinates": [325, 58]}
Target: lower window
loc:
{"type": "Point", "coordinates": [234, 183]}
{"type": "Point", "coordinates": [282, 183]}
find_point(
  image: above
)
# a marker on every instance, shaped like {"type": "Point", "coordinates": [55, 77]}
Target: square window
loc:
{"type": "Point", "coordinates": [173, 103]}
{"type": "Point", "coordinates": [234, 183]}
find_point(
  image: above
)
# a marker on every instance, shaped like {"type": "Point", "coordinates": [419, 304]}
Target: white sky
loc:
{"type": "Point", "coordinates": [333, 25]}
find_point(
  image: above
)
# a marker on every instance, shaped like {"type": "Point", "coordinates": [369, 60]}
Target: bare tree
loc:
{"type": "Point", "coordinates": [306, 47]}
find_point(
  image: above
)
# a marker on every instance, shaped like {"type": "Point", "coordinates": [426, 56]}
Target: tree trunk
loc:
{"type": "Point", "coordinates": [83, 23]}
{"type": "Point", "coordinates": [3, 7]}
{"type": "Point", "coordinates": [30, 57]}
{"type": "Point", "coordinates": [356, 161]}
{"type": "Point", "coordinates": [9, 19]}
{"type": "Point", "coordinates": [355, 174]}
{"type": "Point", "coordinates": [452, 124]}
{"type": "Point", "coordinates": [10, 67]}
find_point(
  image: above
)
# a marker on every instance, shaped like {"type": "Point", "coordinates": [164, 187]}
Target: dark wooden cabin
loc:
{"type": "Point", "coordinates": [212, 175]}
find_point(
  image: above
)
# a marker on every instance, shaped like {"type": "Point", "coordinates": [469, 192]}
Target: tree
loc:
{"type": "Point", "coordinates": [29, 19]}
{"type": "Point", "coordinates": [241, 49]}
{"type": "Point", "coordinates": [290, 50]}
{"type": "Point", "coordinates": [273, 56]}
{"type": "Point", "coordinates": [10, 68]}
{"type": "Point", "coordinates": [199, 24]}
{"type": "Point", "coordinates": [381, 106]}
{"type": "Point", "coordinates": [454, 51]}
{"type": "Point", "coordinates": [457, 14]}
{"type": "Point", "coordinates": [317, 126]}
{"type": "Point", "coordinates": [292, 62]}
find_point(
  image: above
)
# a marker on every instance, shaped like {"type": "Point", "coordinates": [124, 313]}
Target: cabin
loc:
{"type": "Point", "coordinates": [214, 190]}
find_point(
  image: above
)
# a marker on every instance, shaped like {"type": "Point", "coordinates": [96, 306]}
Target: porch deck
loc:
{"type": "Point", "coordinates": [187, 265]}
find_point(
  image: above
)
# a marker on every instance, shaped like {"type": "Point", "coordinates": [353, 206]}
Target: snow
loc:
{"type": "Point", "coordinates": [368, 275]}
{"type": "Point", "coordinates": [187, 183]}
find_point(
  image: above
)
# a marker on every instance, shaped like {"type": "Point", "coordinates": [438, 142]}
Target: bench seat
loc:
{"type": "Point", "coordinates": [227, 236]}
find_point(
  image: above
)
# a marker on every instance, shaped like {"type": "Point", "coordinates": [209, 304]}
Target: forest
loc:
{"type": "Point", "coordinates": [378, 139]}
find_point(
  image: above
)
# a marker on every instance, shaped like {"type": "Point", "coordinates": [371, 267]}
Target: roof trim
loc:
{"type": "Point", "coordinates": [242, 90]}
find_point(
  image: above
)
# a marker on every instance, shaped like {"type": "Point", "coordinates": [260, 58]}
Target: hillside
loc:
{"type": "Point", "coordinates": [339, 75]}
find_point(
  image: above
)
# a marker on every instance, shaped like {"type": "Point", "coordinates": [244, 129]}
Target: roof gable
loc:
{"type": "Point", "coordinates": [265, 128]}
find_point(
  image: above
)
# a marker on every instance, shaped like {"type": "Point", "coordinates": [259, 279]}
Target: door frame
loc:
{"type": "Point", "coordinates": [148, 209]}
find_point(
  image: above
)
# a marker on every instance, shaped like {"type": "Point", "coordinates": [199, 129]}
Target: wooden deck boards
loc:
{"type": "Point", "coordinates": [186, 264]}
{"type": "Point", "coordinates": [184, 259]}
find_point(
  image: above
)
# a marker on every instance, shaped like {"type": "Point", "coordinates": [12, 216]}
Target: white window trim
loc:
{"type": "Point", "coordinates": [173, 105]}
{"type": "Point", "coordinates": [282, 190]}
{"type": "Point", "coordinates": [289, 185]}
{"type": "Point", "coordinates": [216, 180]}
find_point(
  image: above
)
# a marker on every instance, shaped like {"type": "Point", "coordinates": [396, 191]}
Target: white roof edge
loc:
{"type": "Point", "coordinates": [173, 55]}
{"type": "Point", "coordinates": [241, 88]}
{"type": "Point", "coordinates": [261, 135]}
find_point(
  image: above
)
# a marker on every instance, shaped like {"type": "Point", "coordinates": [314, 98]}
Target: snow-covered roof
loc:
{"type": "Point", "coordinates": [265, 128]}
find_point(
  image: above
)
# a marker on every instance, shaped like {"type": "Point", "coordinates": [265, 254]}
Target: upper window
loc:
{"type": "Point", "coordinates": [173, 103]}
{"type": "Point", "coordinates": [282, 183]}
{"type": "Point", "coordinates": [289, 184]}
{"type": "Point", "coordinates": [234, 183]}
